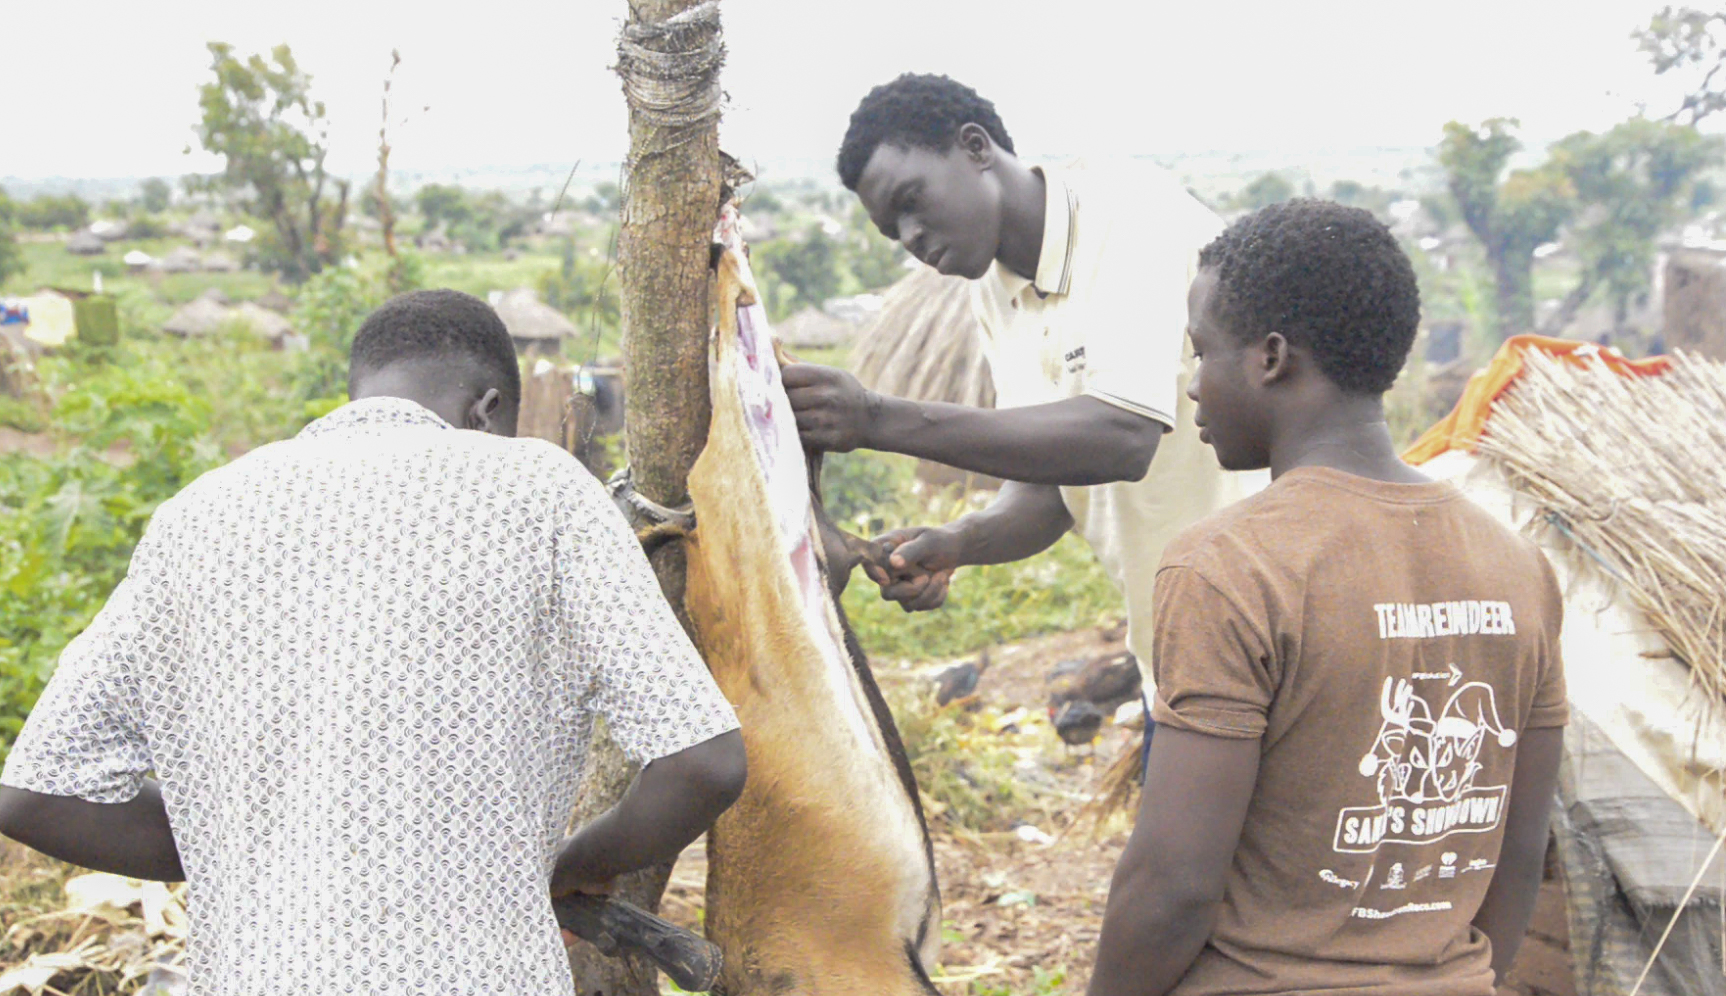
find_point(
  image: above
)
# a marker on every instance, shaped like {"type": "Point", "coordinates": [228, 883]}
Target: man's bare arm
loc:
{"type": "Point", "coordinates": [1077, 441]}
{"type": "Point", "coordinates": [673, 801]}
{"type": "Point", "coordinates": [1509, 903]}
{"type": "Point", "coordinates": [124, 838]}
{"type": "Point", "coordinates": [1167, 888]}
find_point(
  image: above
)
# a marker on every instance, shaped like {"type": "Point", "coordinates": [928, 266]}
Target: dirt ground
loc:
{"type": "Point", "coordinates": [1019, 916]}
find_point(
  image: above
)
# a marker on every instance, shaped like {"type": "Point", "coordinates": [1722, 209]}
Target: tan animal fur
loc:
{"type": "Point", "coordinates": [819, 879]}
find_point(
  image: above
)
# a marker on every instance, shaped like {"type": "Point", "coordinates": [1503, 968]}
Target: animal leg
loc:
{"type": "Point", "coordinates": [654, 524]}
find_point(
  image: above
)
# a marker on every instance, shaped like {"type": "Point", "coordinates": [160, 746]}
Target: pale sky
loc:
{"type": "Point", "coordinates": [100, 88]}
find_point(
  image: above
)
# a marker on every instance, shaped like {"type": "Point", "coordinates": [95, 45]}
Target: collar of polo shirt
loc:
{"type": "Point", "coordinates": [1060, 227]}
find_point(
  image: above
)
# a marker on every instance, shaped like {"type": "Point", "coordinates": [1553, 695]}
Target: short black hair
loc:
{"type": "Point", "coordinates": [1330, 278]}
{"type": "Point", "coordinates": [916, 110]}
{"type": "Point", "coordinates": [440, 324]}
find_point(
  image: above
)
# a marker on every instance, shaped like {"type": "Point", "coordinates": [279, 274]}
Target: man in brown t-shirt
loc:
{"type": "Point", "coordinates": [1359, 692]}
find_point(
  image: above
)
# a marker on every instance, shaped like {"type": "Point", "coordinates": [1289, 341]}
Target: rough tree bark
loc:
{"type": "Point", "coordinates": [670, 203]}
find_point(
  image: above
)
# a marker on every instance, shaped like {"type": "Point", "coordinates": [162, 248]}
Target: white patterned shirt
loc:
{"type": "Point", "coordinates": [365, 664]}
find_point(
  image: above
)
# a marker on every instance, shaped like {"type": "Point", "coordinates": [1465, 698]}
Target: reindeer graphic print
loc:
{"type": "Point", "coordinates": [1424, 767]}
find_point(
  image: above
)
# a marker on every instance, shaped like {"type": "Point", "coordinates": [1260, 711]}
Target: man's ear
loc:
{"type": "Point", "coordinates": [484, 409]}
{"type": "Point", "coordinates": [979, 147]}
{"type": "Point", "coordinates": [1274, 359]}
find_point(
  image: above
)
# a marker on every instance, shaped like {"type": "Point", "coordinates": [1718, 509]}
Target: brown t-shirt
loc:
{"type": "Point", "coordinates": [1388, 644]}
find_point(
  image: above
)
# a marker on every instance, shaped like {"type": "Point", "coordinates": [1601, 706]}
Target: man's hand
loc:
{"type": "Point", "coordinates": [835, 412]}
{"type": "Point", "coordinates": [920, 562]}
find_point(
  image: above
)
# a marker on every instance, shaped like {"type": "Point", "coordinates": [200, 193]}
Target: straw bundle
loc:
{"type": "Point", "coordinates": [1633, 472]}
{"type": "Point", "coordinates": [924, 344]}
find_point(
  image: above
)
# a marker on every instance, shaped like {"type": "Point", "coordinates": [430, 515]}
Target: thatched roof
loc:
{"type": "Point", "coordinates": [1632, 472]}
{"type": "Point", "coordinates": [182, 259]}
{"type": "Point", "coordinates": [220, 262]}
{"type": "Point", "coordinates": [924, 344]}
{"type": "Point", "coordinates": [199, 318]}
{"type": "Point", "coordinates": [85, 244]}
{"type": "Point", "coordinates": [529, 318]}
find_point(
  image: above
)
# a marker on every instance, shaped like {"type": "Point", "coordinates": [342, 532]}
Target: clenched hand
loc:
{"type": "Point", "coordinates": [834, 411]}
{"type": "Point", "coordinates": [920, 565]}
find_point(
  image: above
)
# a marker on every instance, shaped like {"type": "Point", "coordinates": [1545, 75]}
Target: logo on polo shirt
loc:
{"type": "Point", "coordinates": [1075, 360]}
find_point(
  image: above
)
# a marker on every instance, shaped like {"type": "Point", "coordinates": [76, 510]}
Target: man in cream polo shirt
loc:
{"type": "Point", "coordinates": [1079, 281]}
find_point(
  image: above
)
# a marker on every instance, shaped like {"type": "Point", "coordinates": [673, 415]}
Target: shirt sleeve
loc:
{"type": "Point", "coordinates": [641, 671]}
{"type": "Point", "coordinates": [84, 738]}
{"type": "Point", "coordinates": [1551, 696]}
{"type": "Point", "coordinates": [1209, 659]}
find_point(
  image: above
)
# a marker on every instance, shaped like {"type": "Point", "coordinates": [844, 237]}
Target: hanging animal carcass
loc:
{"type": "Point", "coordinates": [821, 879]}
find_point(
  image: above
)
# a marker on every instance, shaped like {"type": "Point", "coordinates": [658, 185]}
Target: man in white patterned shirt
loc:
{"type": "Point", "coordinates": [364, 665]}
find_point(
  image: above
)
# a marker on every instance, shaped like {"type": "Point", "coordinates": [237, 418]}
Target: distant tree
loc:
{"type": "Point", "coordinates": [259, 116]}
{"type": "Point", "coordinates": [583, 288]}
{"type": "Point", "coordinates": [155, 195]}
{"type": "Point", "coordinates": [606, 199]}
{"type": "Point", "coordinates": [1267, 189]}
{"type": "Point", "coordinates": [443, 203]}
{"type": "Point", "coordinates": [1356, 194]}
{"type": "Point", "coordinates": [1691, 43]}
{"type": "Point", "coordinates": [763, 202]}
{"type": "Point", "coordinates": [806, 270]}
{"type": "Point", "coordinates": [873, 259]}
{"type": "Point", "coordinates": [1441, 208]}
{"type": "Point", "coordinates": [64, 212]}
{"type": "Point", "coordinates": [1633, 183]}
{"type": "Point", "coordinates": [1510, 213]}
{"type": "Point", "coordinates": [487, 220]}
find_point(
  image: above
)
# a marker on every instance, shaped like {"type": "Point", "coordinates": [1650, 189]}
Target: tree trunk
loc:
{"type": "Point", "coordinates": [670, 203]}
{"type": "Point", "coordinates": [1514, 272]}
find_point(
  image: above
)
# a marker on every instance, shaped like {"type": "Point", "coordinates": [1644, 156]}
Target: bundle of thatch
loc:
{"type": "Point", "coordinates": [924, 344]}
{"type": "Point", "coordinates": [1632, 471]}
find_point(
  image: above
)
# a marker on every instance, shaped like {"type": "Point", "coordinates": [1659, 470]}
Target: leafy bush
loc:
{"type": "Point", "coordinates": [71, 522]}
{"type": "Point", "coordinates": [45, 211]}
{"type": "Point", "coordinates": [332, 305]}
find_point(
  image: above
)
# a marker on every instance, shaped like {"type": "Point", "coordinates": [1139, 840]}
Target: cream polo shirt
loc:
{"type": "Point", "coordinates": [1106, 317]}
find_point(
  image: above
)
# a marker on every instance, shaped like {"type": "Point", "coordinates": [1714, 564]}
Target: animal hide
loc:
{"type": "Point", "coordinates": [821, 879]}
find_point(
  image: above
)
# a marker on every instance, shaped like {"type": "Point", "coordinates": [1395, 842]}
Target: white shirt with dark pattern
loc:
{"type": "Point", "coordinates": [365, 664]}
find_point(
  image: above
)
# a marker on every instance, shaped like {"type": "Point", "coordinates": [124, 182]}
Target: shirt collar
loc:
{"type": "Point", "coordinates": [1060, 225]}
{"type": "Point", "coordinates": [372, 414]}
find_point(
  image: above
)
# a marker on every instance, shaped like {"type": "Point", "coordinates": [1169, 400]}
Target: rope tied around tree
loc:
{"type": "Point", "coordinates": [670, 69]}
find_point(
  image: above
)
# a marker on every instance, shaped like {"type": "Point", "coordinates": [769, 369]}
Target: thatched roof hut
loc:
{"type": "Point", "coordinates": [200, 317]}
{"type": "Point", "coordinates": [209, 313]}
{"type": "Point", "coordinates": [533, 324]}
{"type": "Point", "coordinates": [85, 244]}
{"type": "Point", "coordinates": [182, 259]}
{"type": "Point", "coordinates": [924, 344]}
